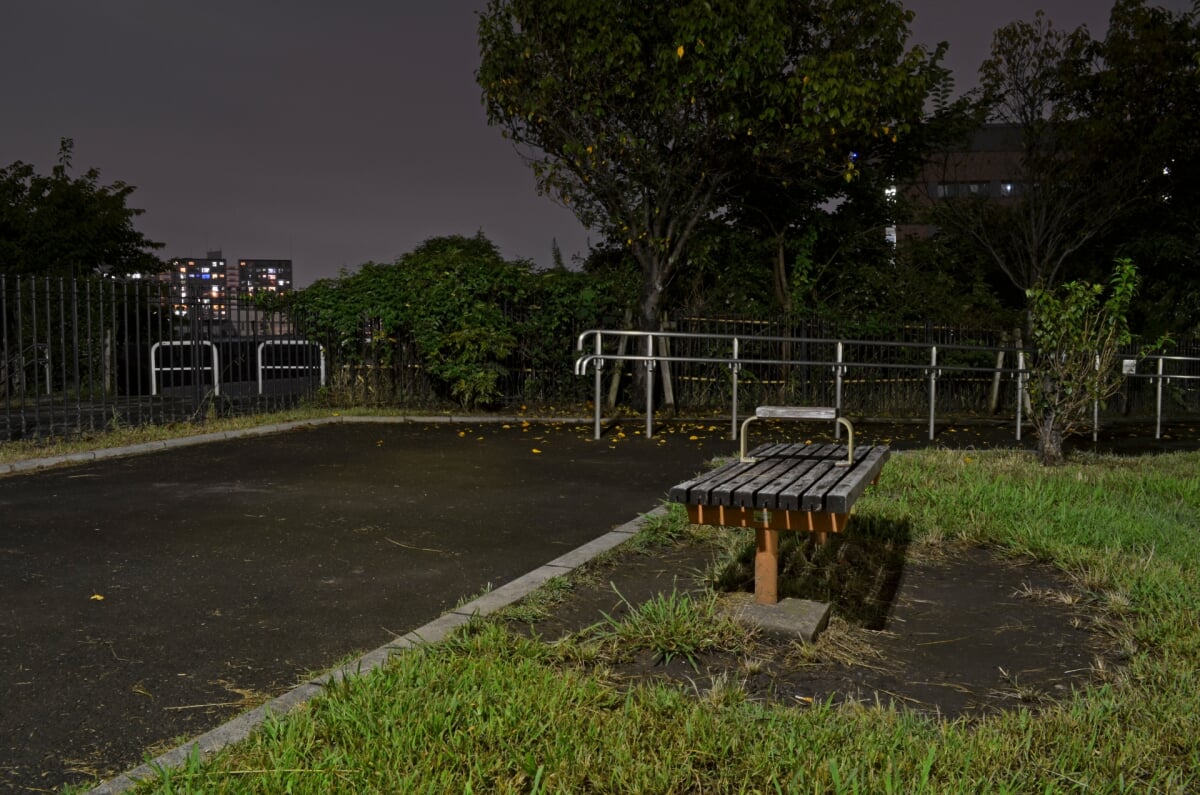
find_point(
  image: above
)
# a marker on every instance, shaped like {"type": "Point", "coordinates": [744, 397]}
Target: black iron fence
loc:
{"type": "Point", "coordinates": [95, 354]}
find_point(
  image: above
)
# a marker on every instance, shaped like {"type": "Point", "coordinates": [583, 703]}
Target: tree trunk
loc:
{"type": "Point", "coordinates": [649, 306]}
{"type": "Point", "coordinates": [1050, 441]}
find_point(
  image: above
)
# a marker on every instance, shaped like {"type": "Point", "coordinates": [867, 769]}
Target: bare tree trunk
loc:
{"type": "Point", "coordinates": [1050, 441]}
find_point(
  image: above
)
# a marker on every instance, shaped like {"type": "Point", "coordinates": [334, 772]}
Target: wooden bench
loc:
{"type": "Point", "coordinates": [799, 487]}
{"type": "Point", "coordinates": [799, 413]}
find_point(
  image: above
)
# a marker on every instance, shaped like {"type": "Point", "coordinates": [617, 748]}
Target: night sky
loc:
{"type": "Point", "coordinates": [327, 133]}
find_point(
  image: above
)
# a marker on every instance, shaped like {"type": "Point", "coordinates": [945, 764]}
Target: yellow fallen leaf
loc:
{"type": "Point", "coordinates": [96, 597]}
{"type": "Point", "coordinates": [462, 434]}
{"type": "Point", "coordinates": [536, 451]}
{"type": "Point", "coordinates": [693, 438]}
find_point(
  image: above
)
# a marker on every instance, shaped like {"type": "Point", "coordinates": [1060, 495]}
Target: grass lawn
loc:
{"type": "Point", "coordinates": [494, 711]}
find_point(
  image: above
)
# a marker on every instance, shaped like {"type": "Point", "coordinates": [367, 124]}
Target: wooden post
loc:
{"type": "Point", "coordinates": [664, 349]}
{"type": "Point", "coordinates": [994, 404]}
{"type": "Point", "coordinates": [766, 566]}
{"type": "Point", "coordinates": [614, 384]}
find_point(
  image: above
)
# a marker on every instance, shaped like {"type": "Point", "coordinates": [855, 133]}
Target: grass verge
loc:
{"type": "Point", "coordinates": [491, 710]}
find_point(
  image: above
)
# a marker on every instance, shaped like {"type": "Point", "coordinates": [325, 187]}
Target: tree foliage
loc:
{"type": "Point", "coordinates": [462, 307]}
{"type": "Point", "coordinates": [69, 226]}
{"type": "Point", "coordinates": [642, 117]}
{"type": "Point", "coordinates": [1105, 131]}
{"type": "Point", "coordinates": [1146, 90]}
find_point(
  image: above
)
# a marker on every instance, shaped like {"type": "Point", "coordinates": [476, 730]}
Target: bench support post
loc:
{"type": "Point", "coordinates": [766, 566]}
{"type": "Point", "coordinates": [767, 525]}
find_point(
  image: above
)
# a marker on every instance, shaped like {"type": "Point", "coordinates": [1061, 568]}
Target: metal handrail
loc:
{"type": "Point", "coordinates": [735, 360]}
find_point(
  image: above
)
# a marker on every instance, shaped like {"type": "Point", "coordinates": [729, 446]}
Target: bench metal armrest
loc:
{"type": "Point", "coordinates": [799, 413]}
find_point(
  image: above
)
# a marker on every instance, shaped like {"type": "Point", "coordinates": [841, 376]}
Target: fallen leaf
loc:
{"type": "Point", "coordinates": [536, 451]}
{"type": "Point", "coordinates": [96, 597]}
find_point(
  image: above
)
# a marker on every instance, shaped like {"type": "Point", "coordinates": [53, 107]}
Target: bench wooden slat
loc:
{"type": "Point", "coordinates": [867, 469]}
{"type": "Point", "coordinates": [791, 497]}
{"type": "Point", "coordinates": [796, 413]}
{"type": "Point", "coordinates": [768, 495]}
{"type": "Point", "coordinates": [814, 498]}
{"type": "Point", "coordinates": [696, 490]}
{"type": "Point", "coordinates": [744, 494]}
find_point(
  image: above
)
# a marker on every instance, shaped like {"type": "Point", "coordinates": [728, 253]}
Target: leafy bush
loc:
{"type": "Point", "coordinates": [455, 307]}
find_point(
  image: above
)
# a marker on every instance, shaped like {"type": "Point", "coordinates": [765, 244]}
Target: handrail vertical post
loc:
{"type": "Point", "coordinates": [597, 366]}
{"type": "Point", "coordinates": [735, 366]}
{"type": "Point", "coordinates": [1020, 389]}
{"type": "Point", "coordinates": [1158, 401]}
{"type": "Point", "coordinates": [837, 388]}
{"type": "Point", "coordinates": [649, 384]}
{"type": "Point", "coordinates": [933, 360]}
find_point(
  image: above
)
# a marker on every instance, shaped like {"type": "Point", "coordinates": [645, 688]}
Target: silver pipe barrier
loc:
{"type": "Point", "coordinates": [260, 366]}
{"type": "Point", "coordinates": [155, 369]}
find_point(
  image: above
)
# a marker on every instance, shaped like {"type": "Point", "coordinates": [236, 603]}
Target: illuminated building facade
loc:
{"type": "Point", "coordinates": [256, 276]}
{"type": "Point", "coordinates": [201, 283]}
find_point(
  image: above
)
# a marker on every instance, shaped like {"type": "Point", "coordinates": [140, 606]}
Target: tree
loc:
{"type": "Point", "coordinates": [1097, 148]}
{"type": "Point", "coordinates": [1078, 335]}
{"type": "Point", "coordinates": [64, 226]}
{"type": "Point", "coordinates": [1144, 47]}
{"type": "Point", "coordinates": [641, 117]}
{"type": "Point", "coordinates": [1051, 212]}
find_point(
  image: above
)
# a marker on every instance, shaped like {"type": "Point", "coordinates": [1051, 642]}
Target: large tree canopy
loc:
{"type": "Point", "coordinates": [68, 226]}
{"type": "Point", "coordinates": [642, 117]}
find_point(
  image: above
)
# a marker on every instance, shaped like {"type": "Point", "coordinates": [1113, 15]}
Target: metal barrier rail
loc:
{"type": "Point", "coordinates": [597, 358]}
{"type": "Point", "coordinates": [298, 343]}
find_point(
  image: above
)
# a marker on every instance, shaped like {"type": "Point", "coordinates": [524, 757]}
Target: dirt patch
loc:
{"type": "Point", "coordinates": [961, 633]}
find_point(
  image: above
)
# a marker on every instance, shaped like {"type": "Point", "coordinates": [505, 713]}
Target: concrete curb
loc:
{"type": "Point", "coordinates": [241, 727]}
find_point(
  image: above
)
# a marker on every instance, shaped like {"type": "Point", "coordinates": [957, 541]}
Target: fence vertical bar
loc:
{"type": "Point", "coordinates": [1158, 388]}
{"type": "Point", "coordinates": [649, 384]}
{"type": "Point", "coordinates": [932, 390]}
{"type": "Point", "coordinates": [20, 357]}
{"type": "Point", "coordinates": [1096, 407]}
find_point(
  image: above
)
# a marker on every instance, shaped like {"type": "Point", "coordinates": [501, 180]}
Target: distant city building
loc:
{"type": "Point", "coordinates": [256, 276]}
{"type": "Point", "coordinates": [986, 165]}
{"type": "Point", "coordinates": [201, 283]}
